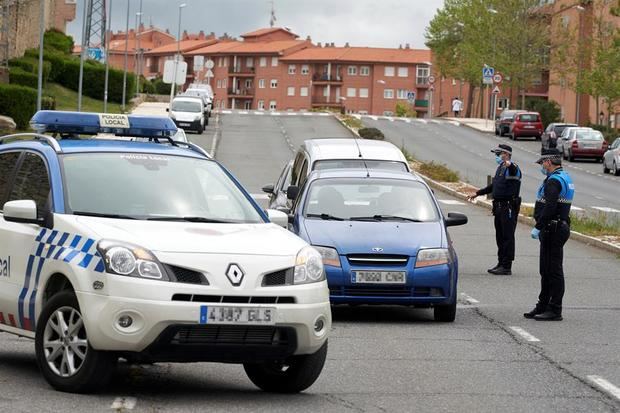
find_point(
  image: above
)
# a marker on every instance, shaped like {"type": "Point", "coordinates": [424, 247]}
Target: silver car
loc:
{"type": "Point", "coordinates": [611, 159]}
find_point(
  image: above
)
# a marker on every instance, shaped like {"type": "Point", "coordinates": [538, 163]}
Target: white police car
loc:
{"type": "Point", "coordinates": [149, 251]}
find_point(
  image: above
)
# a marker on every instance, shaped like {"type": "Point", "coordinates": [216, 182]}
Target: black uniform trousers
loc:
{"type": "Point", "coordinates": [552, 240]}
{"type": "Point", "coordinates": [506, 214]}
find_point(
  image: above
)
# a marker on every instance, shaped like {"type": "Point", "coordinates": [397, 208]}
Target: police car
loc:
{"type": "Point", "coordinates": [143, 248]}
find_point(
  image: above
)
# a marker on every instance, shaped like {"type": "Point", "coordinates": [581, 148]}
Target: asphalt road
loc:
{"type": "Point", "coordinates": [384, 359]}
{"type": "Point", "coordinates": [468, 152]}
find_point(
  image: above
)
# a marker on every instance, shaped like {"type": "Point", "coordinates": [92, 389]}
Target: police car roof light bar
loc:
{"type": "Point", "coordinates": [33, 136]}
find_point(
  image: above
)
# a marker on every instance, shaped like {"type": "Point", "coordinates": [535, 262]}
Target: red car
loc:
{"type": "Point", "coordinates": [526, 124]}
{"type": "Point", "coordinates": [582, 143]}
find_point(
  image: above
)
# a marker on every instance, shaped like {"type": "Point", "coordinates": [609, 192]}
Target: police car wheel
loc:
{"type": "Point", "coordinates": [445, 313]}
{"type": "Point", "coordinates": [64, 355]}
{"type": "Point", "coordinates": [291, 376]}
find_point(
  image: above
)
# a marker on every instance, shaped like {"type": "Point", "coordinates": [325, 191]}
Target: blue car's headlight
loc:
{"type": "Point", "coordinates": [329, 255]}
{"type": "Point", "coordinates": [432, 256]}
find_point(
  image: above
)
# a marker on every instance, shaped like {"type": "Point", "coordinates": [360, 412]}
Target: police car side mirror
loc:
{"type": "Point", "coordinates": [22, 211]}
{"type": "Point", "coordinates": [278, 217]}
{"type": "Point", "coordinates": [455, 218]}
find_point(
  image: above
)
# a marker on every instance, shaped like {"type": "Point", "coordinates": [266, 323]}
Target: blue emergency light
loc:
{"type": "Point", "coordinates": [84, 123]}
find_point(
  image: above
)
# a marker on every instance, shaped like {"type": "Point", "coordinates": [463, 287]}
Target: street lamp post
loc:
{"type": "Point", "coordinates": [138, 50]}
{"type": "Point", "coordinates": [580, 10]}
{"type": "Point", "coordinates": [176, 58]}
{"type": "Point", "coordinates": [125, 68]}
{"type": "Point", "coordinates": [107, 58]}
{"type": "Point", "coordinates": [40, 70]}
{"type": "Point", "coordinates": [82, 56]}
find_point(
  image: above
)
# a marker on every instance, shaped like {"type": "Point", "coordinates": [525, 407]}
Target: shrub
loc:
{"type": "Point", "coordinates": [438, 172]}
{"type": "Point", "coordinates": [56, 59]}
{"type": "Point", "coordinates": [371, 133]}
{"type": "Point", "coordinates": [18, 76]}
{"type": "Point", "coordinates": [549, 110]}
{"type": "Point", "coordinates": [18, 102]}
{"type": "Point", "coordinates": [404, 110]}
{"type": "Point", "coordinates": [161, 88]}
{"type": "Point", "coordinates": [352, 122]}
{"type": "Point", "coordinates": [31, 65]}
{"type": "Point", "coordinates": [57, 40]}
{"type": "Point", "coordinates": [93, 83]}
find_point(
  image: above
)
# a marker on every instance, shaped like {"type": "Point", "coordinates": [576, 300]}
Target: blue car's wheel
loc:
{"type": "Point", "coordinates": [445, 313]}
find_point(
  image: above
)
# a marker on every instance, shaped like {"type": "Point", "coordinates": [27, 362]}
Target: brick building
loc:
{"type": "Point", "coordinates": [272, 69]}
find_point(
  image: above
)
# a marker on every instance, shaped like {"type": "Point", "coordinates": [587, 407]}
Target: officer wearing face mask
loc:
{"type": "Point", "coordinates": [505, 188]}
{"type": "Point", "coordinates": [552, 215]}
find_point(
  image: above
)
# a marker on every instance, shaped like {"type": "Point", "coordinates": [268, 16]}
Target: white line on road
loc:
{"type": "Point", "coordinates": [451, 202]}
{"type": "Point", "coordinates": [606, 209]}
{"type": "Point", "coordinates": [124, 403]}
{"type": "Point", "coordinates": [527, 336]}
{"type": "Point", "coordinates": [469, 299]}
{"type": "Point", "coordinates": [605, 386]}
{"type": "Point", "coordinates": [421, 120]}
{"type": "Point", "coordinates": [259, 113]}
{"type": "Point", "coordinates": [243, 112]}
{"type": "Point", "coordinates": [435, 121]}
{"type": "Point", "coordinates": [275, 114]}
{"type": "Point", "coordinates": [228, 112]}
{"type": "Point", "coordinates": [307, 114]}
{"type": "Point", "coordinates": [259, 196]}
{"type": "Point", "coordinates": [291, 113]}
{"type": "Point", "coordinates": [323, 114]}
{"type": "Point", "coordinates": [214, 142]}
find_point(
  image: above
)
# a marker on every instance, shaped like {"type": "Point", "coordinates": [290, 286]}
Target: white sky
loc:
{"type": "Point", "coordinates": [375, 23]}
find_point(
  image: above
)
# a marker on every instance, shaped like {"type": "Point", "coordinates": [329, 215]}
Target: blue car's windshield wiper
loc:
{"type": "Point", "coordinates": [325, 217]}
{"type": "Point", "coordinates": [384, 218]}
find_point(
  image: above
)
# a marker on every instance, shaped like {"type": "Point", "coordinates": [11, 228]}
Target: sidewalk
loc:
{"type": "Point", "coordinates": [151, 108]}
{"type": "Point", "coordinates": [482, 125]}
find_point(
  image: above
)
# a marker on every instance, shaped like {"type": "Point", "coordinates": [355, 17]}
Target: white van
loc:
{"type": "Point", "coordinates": [189, 113]}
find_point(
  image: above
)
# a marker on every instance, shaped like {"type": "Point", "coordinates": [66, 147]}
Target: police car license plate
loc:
{"type": "Point", "coordinates": [378, 277]}
{"type": "Point", "coordinates": [237, 315]}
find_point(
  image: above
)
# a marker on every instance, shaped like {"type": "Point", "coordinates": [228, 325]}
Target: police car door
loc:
{"type": "Point", "coordinates": [17, 241]}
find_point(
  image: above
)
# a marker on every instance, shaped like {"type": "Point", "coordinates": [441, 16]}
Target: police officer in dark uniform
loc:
{"type": "Point", "coordinates": [552, 214]}
{"type": "Point", "coordinates": [505, 188]}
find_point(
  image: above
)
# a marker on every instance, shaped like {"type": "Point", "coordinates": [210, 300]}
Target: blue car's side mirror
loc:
{"type": "Point", "coordinates": [455, 218]}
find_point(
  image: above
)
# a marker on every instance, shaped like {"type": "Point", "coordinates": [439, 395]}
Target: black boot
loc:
{"type": "Point", "coordinates": [536, 311]}
{"type": "Point", "coordinates": [494, 268]}
{"type": "Point", "coordinates": [501, 270]}
{"type": "Point", "coordinates": [548, 316]}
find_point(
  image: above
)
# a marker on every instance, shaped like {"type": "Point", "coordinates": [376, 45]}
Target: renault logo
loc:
{"type": "Point", "coordinates": [235, 274]}
{"type": "Point", "coordinates": [377, 249]}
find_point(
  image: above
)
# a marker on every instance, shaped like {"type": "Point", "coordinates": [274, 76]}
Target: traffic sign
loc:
{"type": "Point", "coordinates": [431, 88]}
{"type": "Point", "coordinates": [496, 90]}
{"type": "Point", "coordinates": [169, 74]}
{"type": "Point", "coordinates": [209, 64]}
{"type": "Point", "coordinates": [96, 53]}
{"type": "Point", "coordinates": [488, 72]}
{"type": "Point", "coordinates": [209, 73]}
{"type": "Point", "coordinates": [497, 78]}
{"type": "Point", "coordinates": [431, 79]}
{"type": "Point", "coordinates": [411, 97]}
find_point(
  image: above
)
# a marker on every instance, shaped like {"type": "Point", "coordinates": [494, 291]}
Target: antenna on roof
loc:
{"type": "Point", "coordinates": [273, 19]}
{"type": "Point", "coordinates": [359, 154]}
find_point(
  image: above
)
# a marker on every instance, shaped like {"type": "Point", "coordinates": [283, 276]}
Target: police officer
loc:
{"type": "Point", "coordinates": [505, 188]}
{"type": "Point", "coordinates": [552, 214]}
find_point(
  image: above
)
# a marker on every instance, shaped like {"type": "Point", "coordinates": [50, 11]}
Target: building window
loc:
{"type": "Point", "coordinates": [274, 61]}
{"type": "Point", "coordinates": [401, 94]}
{"type": "Point", "coordinates": [261, 83]}
{"type": "Point", "coordinates": [220, 62]}
{"type": "Point", "coordinates": [248, 83]}
{"type": "Point", "coordinates": [389, 71]}
{"type": "Point", "coordinates": [272, 105]}
{"type": "Point", "coordinates": [325, 92]}
{"type": "Point", "coordinates": [305, 69]}
{"type": "Point", "coordinates": [537, 79]}
{"type": "Point", "coordinates": [290, 91]}
{"type": "Point", "coordinates": [274, 83]}
{"type": "Point", "coordinates": [224, 83]}
{"type": "Point", "coordinates": [261, 105]}
{"type": "Point", "coordinates": [351, 92]}
{"type": "Point", "coordinates": [503, 103]}
{"type": "Point", "coordinates": [303, 91]}
{"type": "Point", "coordinates": [263, 62]}
{"type": "Point", "coordinates": [352, 70]}
{"type": "Point", "coordinates": [249, 62]}
{"type": "Point", "coordinates": [363, 92]}
{"type": "Point", "coordinates": [292, 69]}
{"type": "Point", "coordinates": [219, 84]}
{"type": "Point", "coordinates": [565, 21]}
{"type": "Point", "coordinates": [388, 94]}
{"type": "Point", "coordinates": [364, 70]}
{"type": "Point", "coordinates": [453, 82]}
{"type": "Point", "coordinates": [423, 73]}
{"type": "Point", "coordinates": [403, 72]}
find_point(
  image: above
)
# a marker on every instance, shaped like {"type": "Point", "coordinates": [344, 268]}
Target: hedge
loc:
{"type": "Point", "coordinates": [57, 40]}
{"type": "Point", "coordinates": [371, 133]}
{"type": "Point", "coordinates": [31, 65]}
{"type": "Point", "coordinates": [161, 88]}
{"type": "Point", "coordinates": [56, 59]}
{"type": "Point", "coordinates": [94, 79]}
{"type": "Point", "coordinates": [18, 76]}
{"type": "Point", "coordinates": [18, 102]}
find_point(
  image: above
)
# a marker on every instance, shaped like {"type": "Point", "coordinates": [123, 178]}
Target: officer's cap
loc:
{"type": "Point", "coordinates": [502, 148]}
{"type": "Point", "coordinates": [552, 154]}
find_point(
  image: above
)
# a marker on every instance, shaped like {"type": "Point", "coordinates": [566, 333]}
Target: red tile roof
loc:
{"type": "Point", "coordinates": [262, 32]}
{"type": "Point", "coordinates": [275, 47]}
{"type": "Point", "coordinates": [361, 54]}
{"type": "Point", "coordinates": [185, 46]}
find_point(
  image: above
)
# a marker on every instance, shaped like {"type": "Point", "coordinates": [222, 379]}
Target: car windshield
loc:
{"type": "Point", "coordinates": [370, 199]}
{"type": "Point", "coordinates": [359, 163]}
{"type": "Point", "coordinates": [153, 186]}
{"type": "Point", "coordinates": [589, 135]}
{"type": "Point", "coordinates": [186, 106]}
{"type": "Point", "coordinates": [528, 118]}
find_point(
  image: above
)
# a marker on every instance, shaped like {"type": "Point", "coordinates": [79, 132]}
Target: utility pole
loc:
{"type": "Point", "coordinates": [138, 51]}
{"type": "Point", "coordinates": [40, 69]}
{"type": "Point", "coordinates": [107, 59]}
{"type": "Point", "coordinates": [93, 35]}
{"type": "Point", "coordinates": [125, 69]}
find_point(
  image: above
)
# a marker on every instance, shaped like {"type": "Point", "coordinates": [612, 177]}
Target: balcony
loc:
{"type": "Point", "coordinates": [422, 82]}
{"type": "Point", "coordinates": [241, 71]}
{"type": "Point", "coordinates": [321, 79]}
{"type": "Point", "coordinates": [320, 101]}
{"type": "Point", "coordinates": [242, 93]}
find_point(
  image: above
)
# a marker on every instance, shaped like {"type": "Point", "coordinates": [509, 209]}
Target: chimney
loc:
{"type": "Point", "coordinates": [309, 38]}
{"type": "Point", "coordinates": [167, 31]}
{"type": "Point", "coordinates": [407, 46]}
{"type": "Point", "coordinates": [346, 44]}
{"type": "Point", "coordinates": [141, 28]}
{"type": "Point", "coordinates": [185, 36]}
{"type": "Point", "coordinates": [319, 44]}
{"type": "Point", "coordinates": [333, 44]}
{"type": "Point", "coordinates": [201, 35]}
{"type": "Point", "coordinates": [400, 46]}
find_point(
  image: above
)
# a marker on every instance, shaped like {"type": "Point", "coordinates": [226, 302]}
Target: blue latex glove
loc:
{"type": "Point", "coordinates": [535, 233]}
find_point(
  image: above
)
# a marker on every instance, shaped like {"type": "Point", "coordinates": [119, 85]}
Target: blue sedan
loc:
{"type": "Point", "coordinates": [382, 236]}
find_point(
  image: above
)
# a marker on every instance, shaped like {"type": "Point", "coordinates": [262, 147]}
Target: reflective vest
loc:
{"type": "Point", "coordinates": [566, 196]}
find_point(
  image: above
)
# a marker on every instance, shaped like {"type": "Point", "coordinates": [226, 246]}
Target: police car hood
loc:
{"type": "Point", "coordinates": [187, 237]}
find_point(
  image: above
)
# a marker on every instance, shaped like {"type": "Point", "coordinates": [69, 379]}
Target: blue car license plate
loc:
{"type": "Point", "coordinates": [378, 277]}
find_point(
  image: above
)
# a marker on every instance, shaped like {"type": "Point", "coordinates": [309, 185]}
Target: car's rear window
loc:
{"type": "Point", "coordinates": [529, 118]}
{"type": "Point", "coordinates": [359, 163]}
{"type": "Point", "coordinates": [589, 135]}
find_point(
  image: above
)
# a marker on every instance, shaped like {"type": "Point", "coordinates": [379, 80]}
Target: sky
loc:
{"type": "Point", "coordinates": [373, 23]}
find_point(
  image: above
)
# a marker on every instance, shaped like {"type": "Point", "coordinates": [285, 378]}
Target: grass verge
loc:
{"type": "Point", "coordinates": [438, 172]}
{"type": "Point", "coordinates": [66, 99]}
{"type": "Point", "coordinates": [352, 122]}
{"type": "Point", "coordinates": [595, 226]}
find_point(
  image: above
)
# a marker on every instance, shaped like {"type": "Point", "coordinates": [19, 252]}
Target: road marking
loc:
{"type": "Point", "coordinates": [259, 196]}
{"type": "Point", "coordinates": [575, 208]}
{"type": "Point", "coordinates": [228, 112]}
{"type": "Point", "coordinates": [421, 121]}
{"type": "Point", "coordinates": [259, 113]}
{"type": "Point", "coordinates": [527, 336]}
{"type": "Point", "coordinates": [323, 114]}
{"type": "Point", "coordinates": [124, 403]}
{"type": "Point", "coordinates": [606, 209]}
{"type": "Point", "coordinates": [435, 121]}
{"type": "Point", "coordinates": [451, 202]}
{"type": "Point", "coordinates": [605, 386]}
{"type": "Point", "coordinates": [469, 299]}
{"type": "Point", "coordinates": [275, 113]}
{"type": "Point", "coordinates": [291, 113]}
{"type": "Point", "coordinates": [243, 112]}
{"type": "Point", "coordinates": [307, 114]}
{"type": "Point", "coordinates": [407, 120]}
{"type": "Point", "coordinates": [373, 117]}
{"type": "Point", "coordinates": [214, 141]}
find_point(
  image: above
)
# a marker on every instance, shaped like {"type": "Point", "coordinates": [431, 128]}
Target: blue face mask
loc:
{"type": "Point", "coordinates": [498, 159]}
{"type": "Point", "coordinates": [544, 171]}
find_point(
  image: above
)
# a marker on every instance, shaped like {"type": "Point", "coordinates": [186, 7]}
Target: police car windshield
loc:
{"type": "Point", "coordinates": [370, 200]}
{"type": "Point", "coordinates": [186, 106]}
{"type": "Point", "coordinates": [153, 186]}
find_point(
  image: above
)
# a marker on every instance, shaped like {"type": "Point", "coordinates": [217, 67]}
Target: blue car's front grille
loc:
{"type": "Point", "coordinates": [377, 260]}
{"type": "Point", "coordinates": [383, 291]}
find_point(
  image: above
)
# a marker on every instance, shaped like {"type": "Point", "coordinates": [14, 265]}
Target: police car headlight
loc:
{"type": "Point", "coordinates": [130, 260]}
{"type": "Point", "coordinates": [329, 255]}
{"type": "Point", "coordinates": [308, 266]}
{"type": "Point", "coordinates": [432, 256]}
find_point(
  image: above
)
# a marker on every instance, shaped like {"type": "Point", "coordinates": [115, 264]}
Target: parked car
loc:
{"type": "Point", "coordinates": [526, 124]}
{"type": "Point", "coordinates": [611, 158]}
{"type": "Point", "coordinates": [189, 113]}
{"type": "Point", "coordinates": [152, 252]}
{"type": "Point", "coordinates": [502, 122]}
{"type": "Point", "coordinates": [551, 134]}
{"type": "Point", "coordinates": [582, 143]}
{"type": "Point", "coordinates": [333, 153]}
{"type": "Point", "coordinates": [180, 136]}
{"type": "Point", "coordinates": [382, 237]}
{"type": "Point", "coordinates": [205, 96]}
